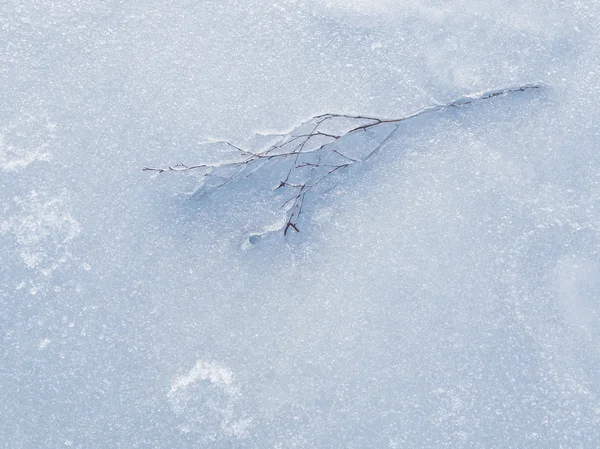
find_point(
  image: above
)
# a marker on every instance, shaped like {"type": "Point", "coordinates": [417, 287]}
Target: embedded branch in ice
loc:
{"type": "Point", "coordinates": [314, 151]}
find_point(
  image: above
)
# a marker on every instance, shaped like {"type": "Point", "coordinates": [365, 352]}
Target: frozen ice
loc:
{"type": "Point", "coordinates": [445, 293]}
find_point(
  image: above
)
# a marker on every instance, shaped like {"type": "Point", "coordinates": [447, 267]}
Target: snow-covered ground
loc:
{"type": "Point", "coordinates": [445, 294]}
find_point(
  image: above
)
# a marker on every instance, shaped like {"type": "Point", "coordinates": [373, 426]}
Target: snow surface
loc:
{"type": "Point", "coordinates": [446, 294]}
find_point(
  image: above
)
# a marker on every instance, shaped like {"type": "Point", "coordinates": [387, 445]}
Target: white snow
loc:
{"type": "Point", "coordinates": [445, 293]}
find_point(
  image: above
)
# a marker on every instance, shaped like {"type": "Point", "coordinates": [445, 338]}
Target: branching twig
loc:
{"type": "Point", "coordinates": [306, 150]}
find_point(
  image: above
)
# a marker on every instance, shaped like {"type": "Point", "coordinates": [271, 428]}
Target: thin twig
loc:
{"type": "Point", "coordinates": [295, 147]}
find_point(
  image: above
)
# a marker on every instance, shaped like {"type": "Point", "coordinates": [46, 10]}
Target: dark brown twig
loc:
{"type": "Point", "coordinates": [305, 152]}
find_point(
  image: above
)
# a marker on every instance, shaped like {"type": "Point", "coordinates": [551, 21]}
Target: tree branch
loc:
{"type": "Point", "coordinates": [306, 150]}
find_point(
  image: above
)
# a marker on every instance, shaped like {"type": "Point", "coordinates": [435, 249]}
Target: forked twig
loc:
{"type": "Point", "coordinates": [313, 152]}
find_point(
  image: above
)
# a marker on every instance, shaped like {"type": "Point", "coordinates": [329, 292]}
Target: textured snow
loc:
{"type": "Point", "coordinates": [445, 294]}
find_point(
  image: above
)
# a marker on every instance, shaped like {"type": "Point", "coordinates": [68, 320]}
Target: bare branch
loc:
{"type": "Point", "coordinates": [313, 160]}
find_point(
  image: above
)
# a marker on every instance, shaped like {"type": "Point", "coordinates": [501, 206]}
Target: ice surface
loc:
{"type": "Point", "coordinates": [445, 294]}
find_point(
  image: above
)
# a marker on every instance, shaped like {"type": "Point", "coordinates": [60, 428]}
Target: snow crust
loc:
{"type": "Point", "coordinates": [444, 294]}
